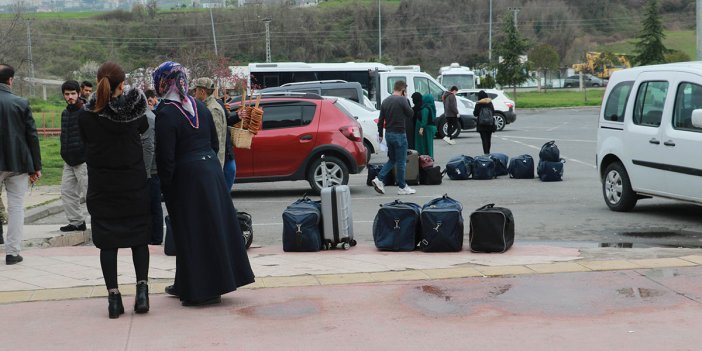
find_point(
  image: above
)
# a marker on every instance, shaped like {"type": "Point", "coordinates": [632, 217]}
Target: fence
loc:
{"type": "Point", "coordinates": [48, 123]}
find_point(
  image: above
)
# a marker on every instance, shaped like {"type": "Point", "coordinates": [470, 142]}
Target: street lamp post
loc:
{"type": "Point", "coordinates": [380, 36]}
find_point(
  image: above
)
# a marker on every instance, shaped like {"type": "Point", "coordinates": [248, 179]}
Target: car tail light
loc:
{"type": "Point", "coordinates": [509, 105]}
{"type": "Point", "coordinates": [353, 133]}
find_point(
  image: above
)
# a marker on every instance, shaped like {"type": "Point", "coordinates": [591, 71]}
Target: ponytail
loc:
{"type": "Point", "coordinates": [102, 95]}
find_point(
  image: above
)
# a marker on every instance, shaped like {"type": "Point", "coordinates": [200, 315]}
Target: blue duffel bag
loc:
{"type": "Point", "coordinates": [501, 162]}
{"type": "Point", "coordinates": [442, 225]}
{"type": "Point", "coordinates": [521, 167]}
{"type": "Point", "coordinates": [483, 168]}
{"type": "Point", "coordinates": [549, 171]}
{"type": "Point", "coordinates": [459, 167]}
{"type": "Point", "coordinates": [302, 226]}
{"type": "Point", "coordinates": [396, 226]}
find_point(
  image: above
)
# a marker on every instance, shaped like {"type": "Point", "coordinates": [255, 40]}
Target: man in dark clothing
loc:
{"type": "Point", "coordinates": [74, 180]}
{"type": "Point", "coordinates": [20, 158]}
{"type": "Point", "coordinates": [394, 111]}
{"type": "Point", "coordinates": [86, 88]}
{"type": "Point", "coordinates": [451, 113]}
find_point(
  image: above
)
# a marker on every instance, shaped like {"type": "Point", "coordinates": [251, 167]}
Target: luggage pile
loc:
{"type": "Point", "coordinates": [438, 226]}
{"type": "Point", "coordinates": [550, 167]}
{"type": "Point", "coordinates": [310, 226]}
{"type": "Point", "coordinates": [418, 170]}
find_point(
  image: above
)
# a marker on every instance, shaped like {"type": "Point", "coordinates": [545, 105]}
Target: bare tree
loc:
{"type": "Point", "coordinates": [11, 38]}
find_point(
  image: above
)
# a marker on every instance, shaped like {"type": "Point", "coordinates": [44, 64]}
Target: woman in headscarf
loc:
{"type": "Point", "coordinates": [118, 196]}
{"type": "Point", "coordinates": [426, 126]}
{"type": "Point", "coordinates": [211, 258]}
{"type": "Point", "coordinates": [410, 125]}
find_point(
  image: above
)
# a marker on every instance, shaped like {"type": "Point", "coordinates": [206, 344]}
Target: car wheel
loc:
{"type": "Point", "coordinates": [568, 85]}
{"type": "Point", "coordinates": [440, 127]}
{"type": "Point", "coordinates": [616, 188]}
{"type": "Point", "coordinates": [333, 169]}
{"type": "Point", "coordinates": [368, 146]}
{"type": "Point", "coordinates": [500, 122]}
{"type": "Point", "coordinates": [595, 85]}
{"type": "Point", "coordinates": [442, 130]}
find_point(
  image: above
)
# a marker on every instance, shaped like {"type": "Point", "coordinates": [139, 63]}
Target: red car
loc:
{"type": "Point", "coordinates": [304, 137]}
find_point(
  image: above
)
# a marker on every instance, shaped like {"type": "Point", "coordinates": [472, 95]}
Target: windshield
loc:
{"type": "Point", "coordinates": [462, 81]}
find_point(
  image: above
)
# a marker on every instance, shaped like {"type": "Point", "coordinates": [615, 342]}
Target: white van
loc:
{"type": "Point", "coordinates": [650, 133]}
{"type": "Point", "coordinates": [426, 84]}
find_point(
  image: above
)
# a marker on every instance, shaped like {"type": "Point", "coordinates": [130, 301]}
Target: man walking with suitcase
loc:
{"type": "Point", "coordinates": [394, 111]}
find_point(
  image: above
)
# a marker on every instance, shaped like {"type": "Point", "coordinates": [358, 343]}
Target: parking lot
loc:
{"type": "Point", "coordinates": [571, 210]}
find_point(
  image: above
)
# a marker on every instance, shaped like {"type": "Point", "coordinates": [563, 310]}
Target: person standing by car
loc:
{"type": "Point", "coordinates": [20, 158]}
{"type": "Point", "coordinates": [425, 126]}
{"type": "Point", "coordinates": [394, 111]}
{"type": "Point", "coordinates": [211, 259]}
{"type": "Point", "coordinates": [485, 129]}
{"type": "Point", "coordinates": [118, 195]}
{"type": "Point", "coordinates": [451, 113]}
{"type": "Point", "coordinates": [74, 179]}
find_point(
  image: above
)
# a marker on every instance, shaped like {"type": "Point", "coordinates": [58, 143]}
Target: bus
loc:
{"type": "Point", "coordinates": [268, 75]}
{"type": "Point", "coordinates": [456, 75]}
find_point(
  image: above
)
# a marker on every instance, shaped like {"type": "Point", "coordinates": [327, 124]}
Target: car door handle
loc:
{"type": "Point", "coordinates": [669, 143]}
{"type": "Point", "coordinates": [654, 141]}
{"type": "Point", "coordinates": [306, 137]}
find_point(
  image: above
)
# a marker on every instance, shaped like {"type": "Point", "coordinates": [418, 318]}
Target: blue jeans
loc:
{"type": "Point", "coordinates": [229, 173]}
{"type": "Point", "coordinates": [397, 157]}
{"type": "Point", "coordinates": [156, 209]}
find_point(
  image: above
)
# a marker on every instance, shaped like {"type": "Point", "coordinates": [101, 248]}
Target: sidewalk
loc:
{"type": "Point", "coordinates": [536, 296]}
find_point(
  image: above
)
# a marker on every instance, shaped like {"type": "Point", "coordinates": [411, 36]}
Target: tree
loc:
{"type": "Point", "coordinates": [649, 48]}
{"type": "Point", "coordinates": [544, 58]}
{"type": "Point", "coordinates": [152, 8]}
{"type": "Point", "coordinates": [11, 34]}
{"type": "Point", "coordinates": [511, 70]}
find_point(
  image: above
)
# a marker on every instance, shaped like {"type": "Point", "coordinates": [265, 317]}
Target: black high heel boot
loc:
{"type": "Point", "coordinates": [141, 303]}
{"type": "Point", "coordinates": [115, 307]}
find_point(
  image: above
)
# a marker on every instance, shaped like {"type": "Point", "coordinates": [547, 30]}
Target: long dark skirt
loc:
{"type": "Point", "coordinates": [211, 258]}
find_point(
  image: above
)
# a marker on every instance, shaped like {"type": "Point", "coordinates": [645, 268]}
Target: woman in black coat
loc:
{"type": "Point", "coordinates": [211, 259]}
{"type": "Point", "coordinates": [118, 197]}
{"type": "Point", "coordinates": [485, 130]}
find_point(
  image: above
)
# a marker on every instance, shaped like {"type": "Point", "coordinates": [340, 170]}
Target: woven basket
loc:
{"type": "Point", "coordinates": [241, 138]}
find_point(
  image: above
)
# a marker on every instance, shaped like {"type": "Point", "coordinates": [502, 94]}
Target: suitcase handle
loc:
{"type": "Point", "coordinates": [486, 207]}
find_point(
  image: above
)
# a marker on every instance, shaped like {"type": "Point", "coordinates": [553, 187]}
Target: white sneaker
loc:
{"type": "Point", "coordinates": [378, 185]}
{"type": "Point", "coordinates": [448, 140]}
{"type": "Point", "coordinates": [406, 191]}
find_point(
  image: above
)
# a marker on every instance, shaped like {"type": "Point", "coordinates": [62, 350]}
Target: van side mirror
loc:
{"type": "Point", "coordinates": [697, 118]}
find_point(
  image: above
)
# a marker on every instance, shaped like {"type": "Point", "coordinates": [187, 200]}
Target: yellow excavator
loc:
{"type": "Point", "coordinates": [603, 64]}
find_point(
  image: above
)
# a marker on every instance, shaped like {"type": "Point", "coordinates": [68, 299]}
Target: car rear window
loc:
{"type": "Point", "coordinates": [616, 102]}
{"type": "Point", "coordinates": [351, 94]}
{"type": "Point", "coordinates": [287, 115]}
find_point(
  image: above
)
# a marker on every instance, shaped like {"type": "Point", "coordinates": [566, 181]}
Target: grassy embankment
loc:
{"type": "Point", "coordinates": [558, 98]}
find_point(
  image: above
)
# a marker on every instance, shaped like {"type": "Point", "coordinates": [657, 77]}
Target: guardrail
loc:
{"type": "Point", "coordinates": [47, 123]}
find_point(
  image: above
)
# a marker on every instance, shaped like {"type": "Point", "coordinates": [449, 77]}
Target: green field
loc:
{"type": "Point", "coordinates": [685, 41]}
{"type": "Point", "coordinates": [51, 161]}
{"type": "Point", "coordinates": [558, 98]}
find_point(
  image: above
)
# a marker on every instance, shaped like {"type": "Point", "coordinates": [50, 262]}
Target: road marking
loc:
{"type": "Point", "coordinates": [539, 148]}
{"type": "Point", "coordinates": [548, 139]}
{"type": "Point", "coordinates": [556, 127]}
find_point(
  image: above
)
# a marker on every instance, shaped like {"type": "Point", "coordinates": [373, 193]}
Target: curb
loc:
{"type": "Point", "coordinates": [34, 214]}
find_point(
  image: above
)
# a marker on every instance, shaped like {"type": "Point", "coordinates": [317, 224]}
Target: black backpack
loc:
{"type": "Point", "coordinates": [485, 117]}
{"type": "Point", "coordinates": [550, 152]}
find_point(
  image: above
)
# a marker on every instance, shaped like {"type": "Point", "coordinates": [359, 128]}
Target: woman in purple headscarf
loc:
{"type": "Point", "coordinates": [211, 258]}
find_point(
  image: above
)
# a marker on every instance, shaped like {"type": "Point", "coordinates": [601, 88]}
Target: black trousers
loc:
{"type": "Point", "coordinates": [108, 262]}
{"type": "Point", "coordinates": [486, 139]}
{"type": "Point", "coordinates": [452, 126]}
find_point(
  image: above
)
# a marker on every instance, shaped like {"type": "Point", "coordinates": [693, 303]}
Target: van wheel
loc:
{"type": "Point", "coordinates": [616, 189]}
{"type": "Point", "coordinates": [500, 122]}
{"type": "Point", "coordinates": [333, 169]}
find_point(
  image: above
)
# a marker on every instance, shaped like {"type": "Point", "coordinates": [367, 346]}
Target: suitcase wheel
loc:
{"type": "Point", "coordinates": [345, 246]}
{"type": "Point", "coordinates": [353, 242]}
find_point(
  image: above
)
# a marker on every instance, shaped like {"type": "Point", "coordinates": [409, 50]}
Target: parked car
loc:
{"type": "Point", "coordinates": [505, 108]}
{"type": "Point", "coordinates": [304, 137]}
{"type": "Point", "coordinates": [650, 133]}
{"type": "Point", "coordinates": [341, 88]}
{"type": "Point", "coordinates": [367, 117]}
{"type": "Point", "coordinates": [588, 79]}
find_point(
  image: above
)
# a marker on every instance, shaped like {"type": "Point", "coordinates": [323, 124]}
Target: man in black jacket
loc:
{"type": "Point", "coordinates": [20, 159]}
{"type": "Point", "coordinates": [74, 180]}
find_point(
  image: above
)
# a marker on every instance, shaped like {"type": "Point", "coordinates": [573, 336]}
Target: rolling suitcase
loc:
{"type": "Point", "coordinates": [301, 226]}
{"type": "Point", "coordinates": [338, 221]}
{"type": "Point", "coordinates": [491, 229]}
{"type": "Point", "coordinates": [411, 168]}
{"type": "Point", "coordinates": [396, 226]}
{"type": "Point", "coordinates": [442, 225]}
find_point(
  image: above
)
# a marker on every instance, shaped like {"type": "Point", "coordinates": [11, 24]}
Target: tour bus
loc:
{"type": "Point", "coordinates": [456, 75]}
{"type": "Point", "coordinates": [376, 79]}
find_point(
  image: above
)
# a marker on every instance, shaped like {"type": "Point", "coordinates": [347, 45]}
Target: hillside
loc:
{"type": "Point", "coordinates": [428, 33]}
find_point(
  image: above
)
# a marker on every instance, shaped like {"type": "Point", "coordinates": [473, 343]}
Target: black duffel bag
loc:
{"type": "Point", "coordinates": [491, 229]}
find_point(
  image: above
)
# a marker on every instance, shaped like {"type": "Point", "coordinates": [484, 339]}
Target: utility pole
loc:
{"type": "Point", "coordinates": [490, 36]}
{"type": "Point", "coordinates": [380, 36]}
{"type": "Point", "coordinates": [267, 21]}
{"type": "Point", "coordinates": [699, 29]}
{"type": "Point", "coordinates": [214, 36]}
{"type": "Point", "coordinates": [515, 10]}
{"type": "Point", "coordinates": [29, 55]}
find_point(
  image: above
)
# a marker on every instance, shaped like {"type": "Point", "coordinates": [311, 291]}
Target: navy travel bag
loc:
{"type": "Point", "coordinates": [459, 167]}
{"type": "Point", "coordinates": [302, 226]}
{"type": "Point", "coordinates": [442, 225]}
{"type": "Point", "coordinates": [491, 229]}
{"type": "Point", "coordinates": [550, 152]}
{"type": "Point", "coordinates": [521, 167]}
{"type": "Point", "coordinates": [396, 226]}
{"type": "Point", "coordinates": [550, 171]}
{"type": "Point", "coordinates": [501, 162]}
{"type": "Point", "coordinates": [483, 168]}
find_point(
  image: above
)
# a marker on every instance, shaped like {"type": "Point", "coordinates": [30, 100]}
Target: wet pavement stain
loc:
{"type": "Point", "coordinates": [499, 290]}
{"type": "Point", "coordinates": [643, 293]}
{"type": "Point", "coordinates": [432, 290]}
{"type": "Point", "coordinates": [293, 309]}
{"type": "Point", "coordinates": [433, 301]}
